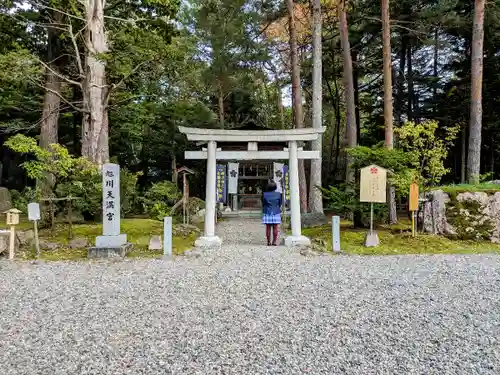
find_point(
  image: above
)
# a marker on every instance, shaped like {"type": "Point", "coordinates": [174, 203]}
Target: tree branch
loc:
{"type": "Point", "coordinates": [58, 11]}
{"type": "Point", "coordinates": [77, 52]}
{"type": "Point", "coordinates": [115, 86]}
{"type": "Point", "coordinates": [59, 95]}
{"type": "Point", "coordinates": [46, 66]}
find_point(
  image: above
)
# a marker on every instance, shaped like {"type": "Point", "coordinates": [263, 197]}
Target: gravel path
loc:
{"type": "Point", "coordinates": [249, 309]}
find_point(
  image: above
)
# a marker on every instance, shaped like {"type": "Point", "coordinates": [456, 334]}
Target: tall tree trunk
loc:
{"type": "Point", "coordinates": [463, 165]}
{"type": "Point", "coordinates": [297, 110]}
{"type": "Point", "coordinates": [410, 81]}
{"type": "Point", "coordinates": [401, 81]}
{"type": "Point", "coordinates": [351, 130]}
{"type": "Point", "coordinates": [221, 108]}
{"type": "Point", "coordinates": [476, 110]}
{"type": "Point", "coordinates": [50, 114]}
{"type": "Point", "coordinates": [435, 71]}
{"type": "Point", "coordinates": [175, 174]}
{"type": "Point", "coordinates": [281, 108]}
{"type": "Point", "coordinates": [388, 120]}
{"type": "Point", "coordinates": [355, 80]}
{"type": "Point", "coordinates": [95, 131]}
{"type": "Point", "coordinates": [315, 196]}
{"type": "Point", "coordinates": [52, 100]}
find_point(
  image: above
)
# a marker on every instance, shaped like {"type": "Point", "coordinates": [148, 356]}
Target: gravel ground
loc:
{"type": "Point", "coordinates": [249, 309]}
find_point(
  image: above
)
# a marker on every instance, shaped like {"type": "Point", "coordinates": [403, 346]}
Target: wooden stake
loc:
{"type": "Point", "coordinates": [413, 231]}
{"type": "Point", "coordinates": [70, 218]}
{"type": "Point", "coordinates": [12, 240]}
{"type": "Point", "coordinates": [37, 243]}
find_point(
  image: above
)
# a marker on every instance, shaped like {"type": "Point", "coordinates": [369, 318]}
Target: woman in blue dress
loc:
{"type": "Point", "coordinates": [271, 207]}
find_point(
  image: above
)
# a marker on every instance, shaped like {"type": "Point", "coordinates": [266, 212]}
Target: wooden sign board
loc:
{"type": "Point", "coordinates": [373, 184]}
{"type": "Point", "coordinates": [413, 197]}
{"type": "Point", "coordinates": [33, 212]}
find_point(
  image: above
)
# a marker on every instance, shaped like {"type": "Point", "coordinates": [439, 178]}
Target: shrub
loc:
{"type": "Point", "coordinates": [67, 175]}
{"type": "Point", "coordinates": [159, 199]}
{"type": "Point", "coordinates": [343, 200]}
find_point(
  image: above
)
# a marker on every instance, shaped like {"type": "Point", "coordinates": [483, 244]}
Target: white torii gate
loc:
{"type": "Point", "coordinates": [293, 153]}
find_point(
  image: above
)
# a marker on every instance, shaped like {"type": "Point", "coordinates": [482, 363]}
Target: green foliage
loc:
{"type": "Point", "coordinates": [427, 148]}
{"type": "Point", "coordinates": [159, 199]}
{"type": "Point", "coordinates": [343, 200]}
{"type": "Point", "coordinates": [463, 188]}
{"type": "Point", "coordinates": [74, 176]}
{"type": "Point", "coordinates": [20, 199]}
{"type": "Point", "coordinates": [396, 161]}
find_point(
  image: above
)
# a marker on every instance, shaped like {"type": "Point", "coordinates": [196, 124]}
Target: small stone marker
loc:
{"type": "Point", "coordinates": [167, 237]}
{"type": "Point", "coordinates": [34, 216]}
{"type": "Point", "coordinates": [373, 189]}
{"type": "Point", "coordinates": [155, 243]}
{"type": "Point", "coordinates": [336, 233]}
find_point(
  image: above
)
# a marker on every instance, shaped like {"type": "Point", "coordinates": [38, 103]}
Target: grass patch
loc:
{"type": "Point", "coordinates": [138, 232]}
{"type": "Point", "coordinates": [464, 188]}
{"type": "Point", "coordinates": [352, 242]}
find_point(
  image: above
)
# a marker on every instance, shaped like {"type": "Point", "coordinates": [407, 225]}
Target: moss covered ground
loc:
{"type": "Point", "coordinates": [138, 232]}
{"type": "Point", "coordinates": [463, 188]}
{"type": "Point", "coordinates": [397, 240]}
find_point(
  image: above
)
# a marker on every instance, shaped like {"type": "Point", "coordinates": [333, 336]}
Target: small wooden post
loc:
{"type": "Point", "coordinates": [12, 241]}
{"type": "Point", "coordinates": [70, 218]}
{"type": "Point", "coordinates": [52, 215]}
{"type": "Point", "coordinates": [37, 241]}
{"type": "Point", "coordinates": [185, 194]}
{"type": "Point", "coordinates": [12, 220]}
{"type": "Point", "coordinates": [413, 206]}
{"type": "Point", "coordinates": [34, 215]}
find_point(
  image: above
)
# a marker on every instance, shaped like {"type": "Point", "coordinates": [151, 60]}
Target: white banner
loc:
{"type": "Point", "coordinates": [232, 178]}
{"type": "Point", "coordinates": [278, 176]}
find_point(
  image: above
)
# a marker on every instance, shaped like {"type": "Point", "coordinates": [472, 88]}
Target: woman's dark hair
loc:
{"type": "Point", "coordinates": [271, 186]}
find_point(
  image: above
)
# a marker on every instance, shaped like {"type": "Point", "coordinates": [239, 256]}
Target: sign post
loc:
{"type": "Point", "coordinates": [34, 216]}
{"type": "Point", "coordinates": [413, 206]}
{"type": "Point", "coordinates": [373, 189]}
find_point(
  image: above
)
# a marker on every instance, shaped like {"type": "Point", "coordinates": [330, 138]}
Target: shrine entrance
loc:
{"type": "Point", "coordinates": [253, 178]}
{"type": "Point", "coordinates": [255, 153]}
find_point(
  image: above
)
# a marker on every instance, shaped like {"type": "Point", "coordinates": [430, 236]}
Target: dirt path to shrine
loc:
{"type": "Point", "coordinates": [251, 309]}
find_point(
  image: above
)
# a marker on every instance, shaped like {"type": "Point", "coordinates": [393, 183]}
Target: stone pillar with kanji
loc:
{"type": "Point", "coordinates": [112, 241]}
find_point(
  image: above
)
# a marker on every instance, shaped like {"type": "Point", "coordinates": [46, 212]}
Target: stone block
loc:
{"type": "Point", "coordinates": [292, 241]}
{"type": "Point", "coordinates": [310, 220]}
{"type": "Point", "coordinates": [155, 243]}
{"type": "Point", "coordinates": [5, 199]}
{"type": "Point", "coordinates": [78, 243]}
{"type": "Point", "coordinates": [371, 239]}
{"type": "Point", "coordinates": [109, 252]}
{"type": "Point", "coordinates": [4, 241]}
{"type": "Point", "coordinates": [208, 242]}
{"type": "Point", "coordinates": [111, 241]}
